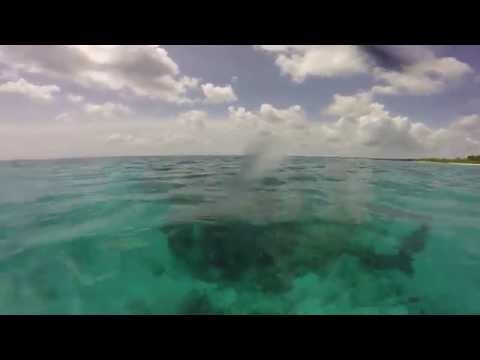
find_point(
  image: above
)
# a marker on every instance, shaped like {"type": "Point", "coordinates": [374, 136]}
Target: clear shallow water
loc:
{"type": "Point", "coordinates": [173, 235]}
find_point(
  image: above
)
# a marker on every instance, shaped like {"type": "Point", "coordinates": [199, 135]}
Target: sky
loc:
{"type": "Point", "coordinates": [63, 101]}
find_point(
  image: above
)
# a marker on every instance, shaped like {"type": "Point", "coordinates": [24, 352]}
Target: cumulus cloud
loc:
{"type": "Point", "coordinates": [127, 139]}
{"type": "Point", "coordinates": [351, 125]}
{"type": "Point", "coordinates": [43, 93]}
{"type": "Point", "coordinates": [427, 77]}
{"type": "Point", "coordinates": [268, 117]}
{"type": "Point", "coordinates": [218, 94]}
{"type": "Point", "coordinates": [141, 70]}
{"type": "Point", "coordinates": [463, 135]}
{"type": "Point", "coordinates": [302, 61]}
{"type": "Point", "coordinates": [356, 125]}
{"type": "Point", "coordinates": [107, 110]}
{"type": "Point", "coordinates": [367, 128]}
{"type": "Point", "coordinates": [193, 115]}
{"type": "Point", "coordinates": [65, 117]}
{"type": "Point", "coordinates": [467, 123]}
{"type": "Point", "coordinates": [402, 70]}
{"type": "Point", "coordinates": [194, 119]}
{"type": "Point", "coordinates": [361, 127]}
{"type": "Point", "coordinates": [357, 105]}
{"type": "Point", "coordinates": [370, 126]}
{"type": "Point", "coordinates": [75, 98]}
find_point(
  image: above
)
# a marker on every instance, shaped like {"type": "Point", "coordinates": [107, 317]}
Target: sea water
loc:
{"type": "Point", "coordinates": [209, 235]}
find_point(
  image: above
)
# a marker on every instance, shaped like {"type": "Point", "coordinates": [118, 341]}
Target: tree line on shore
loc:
{"type": "Point", "coordinates": [469, 159]}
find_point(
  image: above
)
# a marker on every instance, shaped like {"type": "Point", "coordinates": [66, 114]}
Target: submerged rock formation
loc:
{"type": "Point", "coordinates": [269, 257]}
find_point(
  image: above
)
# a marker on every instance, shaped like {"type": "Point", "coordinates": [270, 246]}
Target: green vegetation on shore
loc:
{"type": "Point", "coordinates": [471, 159]}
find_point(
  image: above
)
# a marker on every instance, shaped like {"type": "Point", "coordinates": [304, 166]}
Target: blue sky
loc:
{"type": "Point", "coordinates": [261, 82]}
{"type": "Point", "coordinates": [69, 101]}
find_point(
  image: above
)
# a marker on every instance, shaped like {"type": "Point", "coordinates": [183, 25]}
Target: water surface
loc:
{"type": "Point", "coordinates": [175, 235]}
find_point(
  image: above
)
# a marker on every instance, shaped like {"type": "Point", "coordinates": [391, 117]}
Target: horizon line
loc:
{"type": "Point", "coordinates": [93, 157]}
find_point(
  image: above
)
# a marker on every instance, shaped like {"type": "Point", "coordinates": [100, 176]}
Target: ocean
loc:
{"type": "Point", "coordinates": [232, 235]}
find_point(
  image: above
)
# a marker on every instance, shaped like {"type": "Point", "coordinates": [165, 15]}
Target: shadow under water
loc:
{"type": "Point", "coordinates": [257, 240]}
{"type": "Point", "coordinates": [251, 235]}
{"type": "Point", "coordinates": [269, 257]}
{"type": "Point", "coordinates": [402, 261]}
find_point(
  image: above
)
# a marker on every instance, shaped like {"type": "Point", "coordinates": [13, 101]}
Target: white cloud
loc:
{"type": "Point", "coordinates": [292, 116]}
{"type": "Point", "coordinates": [370, 126]}
{"type": "Point", "coordinates": [65, 117]}
{"type": "Point", "coordinates": [277, 48]}
{"type": "Point", "coordinates": [302, 61]}
{"type": "Point", "coordinates": [241, 114]}
{"type": "Point", "coordinates": [357, 126]}
{"type": "Point", "coordinates": [269, 118]}
{"type": "Point", "coordinates": [75, 98]}
{"type": "Point", "coordinates": [194, 119]}
{"type": "Point", "coordinates": [426, 74]}
{"type": "Point", "coordinates": [141, 70]}
{"type": "Point", "coordinates": [467, 123]}
{"type": "Point", "coordinates": [218, 94]}
{"type": "Point", "coordinates": [21, 86]}
{"type": "Point", "coordinates": [357, 105]}
{"type": "Point", "coordinates": [107, 110]}
{"type": "Point", "coordinates": [127, 139]}
{"type": "Point", "coordinates": [427, 77]}
{"type": "Point", "coordinates": [193, 115]}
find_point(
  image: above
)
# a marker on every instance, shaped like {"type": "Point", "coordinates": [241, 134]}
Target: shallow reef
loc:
{"type": "Point", "coordinates": [224, 235]}
{"type": "Point", "coordinates": [268, 258]}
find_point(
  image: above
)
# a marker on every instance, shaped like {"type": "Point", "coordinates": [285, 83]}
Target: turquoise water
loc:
{"type": "Point", "coordinates": [176, 235]}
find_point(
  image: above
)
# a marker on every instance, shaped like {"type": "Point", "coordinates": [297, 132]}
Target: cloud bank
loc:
{"type": "Point", "coordinates": [136, 70]}
{"type": "Point", "coordinates": [397, 70]}
{"type": "Point", "coordinates": [106, 88]}
{"type": "Point", "coordinates": [350, 125]}
{"type": "Point", "coordinates": [42, 93]}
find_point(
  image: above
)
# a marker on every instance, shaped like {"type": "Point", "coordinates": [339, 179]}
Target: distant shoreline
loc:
{"type": "Point", "coordinates": [438, 161]}
{"type": "Point", "coordinates": [449, 162]}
